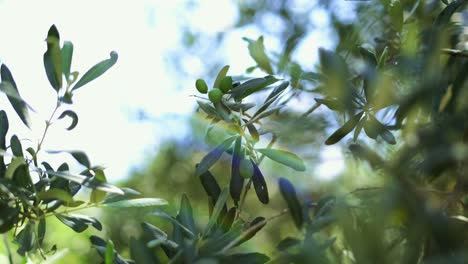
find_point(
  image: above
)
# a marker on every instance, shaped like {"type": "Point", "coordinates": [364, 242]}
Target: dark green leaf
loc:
{"type": "Point", "coordinates": [210, 185]}
{"type": "Point", "coordinates": [287, 243]}
{"type": "Point", "coordinates": [253, 132]}
{"type": "Point", "coordinates": [97, 70]}
{"type": "Point", "coordinates": [78, 155]}
{"type": "Point", "coordinates": [221, 74]}
{"type": "Point", "coordinates": [208, 109]}
{"type": "Point", "coordinates": [73, 116]}
{"type": "Point", "coordinates": [257, 52]}
{"type": "Point", "coordinates": [220, 204]}
{"type": "Point", "coordinates": [127, 194]}
{"type": "Point", "coordinates": [186, 214]}
{"type": "Point", "coordinates": [101, 246]}
{"type": "Point", "coordinates": [41, 230]}
{"type": "Point", "coordinates": [260, 185]}
{"type": "Point", "coordinates": [53, 58]}
{"type": "Point", "coordinates": [264, 114]}
{"type": "Point", "coordinates": [173, 221]}
{"type": "Point", "coordinates": [213, 156]}
{"type": "Point", "coordinates": [365, 153]}
{"type": "Point", "coordinates": [14, 97]}
{"type": "Point", "coordinates": [344, 130]}
{"type": "Point", "coordinates": [67, 54]}
{"type": "Point", "coordinates": [16, 147]}
{"type": "Point", "coordinates": [332, 104]}
{"type": "Point", "coordinates": [284, 157]}
{"type": "Point", "coordinates": [368, 55]}
{"type": "Point", "coordinates": [274, 95]}
{"type": "Point", "coordinates": [26, 239]}
{"type": "Point", "coordinates": [252, 86]}
{"type": "Point", "coordinates": [252, 229]}
{"type": "Point", "coordinates": [79, 223]}
{"type": "Point", "coordinates": [444, 17]}
{"type": "Point", "coordinates": [229, 219]}
{"type": "Point", "coordinates": [289, 194]}
{"type": "Point", "coordinates": [395, 11]}
{"type": "Point", "coordinates": [237, 182]}
{"type": "Point", "coordinates": [13, 166]}
{"type": "Point", "coordinates": [55, 194]}
{"type": "Point", "coordinates": [3, 132]}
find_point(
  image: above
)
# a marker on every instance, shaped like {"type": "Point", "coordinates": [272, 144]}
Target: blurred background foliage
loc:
{"type": "Point", "coordinates": [393, 202]}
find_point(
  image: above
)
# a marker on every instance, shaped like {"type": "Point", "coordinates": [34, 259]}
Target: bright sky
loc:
{"type": "Point", "coordinates": [141, 32]}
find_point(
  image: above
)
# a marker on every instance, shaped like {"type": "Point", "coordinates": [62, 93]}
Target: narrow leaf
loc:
{"type": "Point", "coordinates": [186, 214]}
{"type": "Point", "coordinates": [221, 74]}
{"type": "Point", "coordinates": [237, 181]}
{"type": "Point", "coordinates": [14, 97]}
{"type": "Point", "coordinates": [67, 54]}
{"type": "Point", "coordinates": [257, 52]}
{"type": "Point", "coordinates": [140, 202]}
{"type": "Point", "coordinates": [72, 115]}
{"type": "Point", "coordinates": [79, 223]}
{"type": "Point", "coordinates": [213, 156]}
{"type": "Point", "coordinates": [251, 86]}
{"type": "Point", "coordinates": [344, 130]}
{"type": "Point", "coordinates": [220, 204]}
{"type": "Point", "coordinates": [53, 59]}
{"type": "Point", "coordinates": [260, 185]}
{"type": "Point", "coordinates": [16, 147]}
{"type": "Point", "coordinates": [97, 70]}
{"type": "Point", "coordinates": [289, 194]}
{"type": "Point", "coordinates": [284, 157]}
{"type": "Point", "coordinates": [89, 182]}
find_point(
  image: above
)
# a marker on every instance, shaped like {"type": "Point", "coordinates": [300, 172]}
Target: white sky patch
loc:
{"type": "Point", "coordinates": [141, 32]}
{"type": "Point", "coordinates": [331, 163]}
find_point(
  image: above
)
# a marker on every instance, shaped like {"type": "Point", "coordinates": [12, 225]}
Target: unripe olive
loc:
{"type": "Point", "coordinates": [246, 168]}
{"type": "Point", "coordinates": [201, 86]}
{"type": "Point", "coordinates": [226, 84]}
{"type": "Point", "coordinates": [215, 95]}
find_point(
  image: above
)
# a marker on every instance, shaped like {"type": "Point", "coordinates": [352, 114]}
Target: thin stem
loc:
{"type": "Point", "coordinates": [48, 123]}
{"type": "Point", "coordinates": [249, 230]}
{"type": "Point", "coordinates": [312, 109]}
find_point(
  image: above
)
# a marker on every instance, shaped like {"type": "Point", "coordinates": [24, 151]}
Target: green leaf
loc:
{"type": "Point", "coordinates": [251, 86]}
{"type": "Point", "coordinates": [289, 194]}
{"type": "Point", "coordinates": [332, 104]}
{"type": "Point", "coordinates": [173, 221]}
{"type": "Point", "coordinates": [140, 253]}
{"type": "Point", "coordinates": [127, 194]}
{"type": "Point", "coordinates": [79, 223]}
{"type": "Point", "coordinates": [368, 55]}
{"type": "Point", "coordinates": [208, 109]}
{"type": "Point", "coordinates": [110, 254]}
{"type": "Point", "coordinates": [53, 59]}
{"type": "Point", "coordinates": [272, 97]}
{"type": "Point", "coordinates": [137, 203]}
{"type": "Point", "coordinates": [13, 166]}
{"type": "Point", "coordinates": [344, 130]}
{"type": "Point", "coordinates": [97, 70]}
{"type": "Point", "coordinates": [186, 214]}
{"type": "Point", "coordinates": [210, 185]}
{"type": "Point", "coordinates": [220, 204]}
{"type": "Point", "coordinates": [4, 125]}
{"type": "Point", "coordinates": [16, 147]}
{"type": "Point", "coordinates": [19, 105]}
{"type": "Point", "coordinates": [253, 132]}
{"type": "Point", "coordinates": [284, 157]}
{"type": "Point", "coordinates": [213, 156]}
{"type": "Point", "coordinates": [221, 74]}
{"type": "Point", "coordinates": [41, 230]}
{"type": "Point", "coordinates": [383, 58]}
{"type": "Point", "coordinates": [259, 184]}
{"type": "Point", "coordinates": [252, 229]}
{"type": "Point", "coordinates": [67, 54]}
{"type": "Point", "coordinates": [89, 182]}
{"type": "Point", "coordinates": [78, 155]}
{"type": "Point", "coordinates": [101, 246]}
{"type": "Point", "coordinates": [257, 52]}
{"type": "Point", "coordinates": [237, 182]}
{"type": "Point", "coordinates": [73, 116]}
{"type": "Point", "coordinates": [264, 114]}
{"type": "Point", "coordinates": [55, 194]}
{"type": "Point", "coordinates": [26, 239]}
{"type": "Point", "coordinates": [367, 154]}
{"type": "Point", "coordinates": [444, 17]}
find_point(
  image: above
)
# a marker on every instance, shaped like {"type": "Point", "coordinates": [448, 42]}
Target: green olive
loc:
{"type": "Point", "coordinates": [226, 84]}
{"type": "Point", "coordinates": [201, 86]}
{"type": "Point", "coordinates": [246, 168]}
{"type": "Point", "coordinates": [215, 95]}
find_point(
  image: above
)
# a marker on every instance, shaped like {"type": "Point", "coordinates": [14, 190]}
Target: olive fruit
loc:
{"type": "Point", "coordinates": [246, 168]}
{"type": "Point", "coordinates": [226, 84]}
{"type": "Point", "coordinates": [201, 86]}
{"type": "Point", "coordinates": [215, 95]}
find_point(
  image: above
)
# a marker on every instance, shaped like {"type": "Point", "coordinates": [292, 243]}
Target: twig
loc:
{"type": "Point", "coordinates": [454, 52]}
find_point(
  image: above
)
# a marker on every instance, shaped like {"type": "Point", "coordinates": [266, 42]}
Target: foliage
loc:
{"type": "Point", "coordinates": [401, 79]}
{"type": "Point", "coordinates": [31, 190]}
